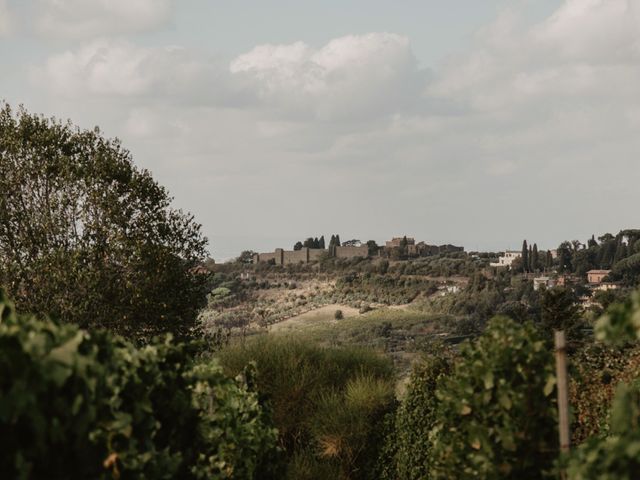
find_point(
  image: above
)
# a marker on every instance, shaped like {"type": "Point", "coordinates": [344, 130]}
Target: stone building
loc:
{"type": "Point", "coordinates": [595, 277]}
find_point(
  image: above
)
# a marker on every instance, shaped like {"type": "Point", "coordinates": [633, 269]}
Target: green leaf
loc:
{"type": "Point", "coordinates": [548, 387]}
{"type": "Point", "coordinates": [488, 380]}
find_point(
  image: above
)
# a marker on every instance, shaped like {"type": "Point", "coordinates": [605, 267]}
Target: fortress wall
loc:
{"type": "Point", "coordinates": [306, 255]}
{"type": "Point", "coordinates": [351, 252]}
{"type": "Point", "coordinates": [295, 256]}
{"type": "Point", "coordinates": [316, 253]}
{"type": "Point", "coordinates": [263, 257]}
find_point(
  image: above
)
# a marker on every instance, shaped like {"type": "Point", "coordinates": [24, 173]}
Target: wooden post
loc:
{"type": "Point", "coordinates": [563, 394]}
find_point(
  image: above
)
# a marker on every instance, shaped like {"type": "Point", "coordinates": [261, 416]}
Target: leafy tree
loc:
{"type": "Point", "coordinates": [308, 243]}
{"type": "Point", "coordinates": [373, 248]}
{"type": "Point", "coordinates": [592, 242]}
{"type": "Point", "coordinates": [298, 246]}
{"type": "Point", "coordinates": [621, 252]}
{"type": "Point", "coordinates": [88, 237]}
{"type": "Point", "coordinates": [564, 257]}
{"type": "Point", "coordinates": [627, 270]}
{"type": "Point", "coordinates": [559, 311]}
{"type": "Point", "coordinates": [246, 257]}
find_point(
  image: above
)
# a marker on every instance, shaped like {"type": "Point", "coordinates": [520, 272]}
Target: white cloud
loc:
{"type": "Point", "coordinates": [94, 18]}
{"type": "Point", "coordinates": [117, 68]}
{"type": "Point", "coordinates": [605, 31]}
{"type": "Point", "coordinates": [586, 51]}
{"type": "Point", "coordinates": [350, 77]}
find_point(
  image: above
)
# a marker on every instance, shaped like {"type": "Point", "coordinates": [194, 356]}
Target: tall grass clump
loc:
{"type": "Point", "coordinates": [328, 403]}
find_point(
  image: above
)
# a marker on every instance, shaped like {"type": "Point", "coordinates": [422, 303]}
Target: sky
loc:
{"type": "Point", "coordinates": [477, 123]}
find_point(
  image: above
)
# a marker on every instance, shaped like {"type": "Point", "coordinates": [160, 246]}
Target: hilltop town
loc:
{"type": "Point", "coordinates": [311, 251]}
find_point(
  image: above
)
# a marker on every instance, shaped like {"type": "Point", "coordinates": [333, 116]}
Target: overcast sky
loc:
{"type": "Point", "coordinates": [477, 123]}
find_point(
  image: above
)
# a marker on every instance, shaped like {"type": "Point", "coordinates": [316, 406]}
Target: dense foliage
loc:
{"type": "Point", "coordinates": [496, 414]}
{"type": "Point", "coordinates": [80, 405]}
{"type": "Point", "coordinates": [328, 404]}
{"type": "Point", "coordinates": [407, 454]}
{"type": "Point", "coordinates": [616, 455]}
{"type": "Point", "coordinates": [87, 237]}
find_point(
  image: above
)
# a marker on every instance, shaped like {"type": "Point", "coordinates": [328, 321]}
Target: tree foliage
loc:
{"type": "Point", "coordinates": [89, 238]}
{"type": "Point", "coordinates": [80, 405]}
{"type": "Point", "coordinates": [496, 415]}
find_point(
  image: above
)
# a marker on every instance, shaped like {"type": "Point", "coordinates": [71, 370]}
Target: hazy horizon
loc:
{"type": "Point", "coordinates": [473, 123]}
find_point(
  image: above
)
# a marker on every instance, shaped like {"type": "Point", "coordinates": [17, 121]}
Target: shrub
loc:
{"type": "Point", "coordinates": [346, 425]}
{"type": "Point", "coordinates": [407, 448]}
{"type": "Point", "coordinates": [617, 456]}
{"type": "Point", "coordinates": [496, 415]}
{"type": "Point", "coordinates": [303, 383]}
{"type": "Point", "coordinates": [338, 315]}
{"type": "Point", "coordinates": [79, 405]}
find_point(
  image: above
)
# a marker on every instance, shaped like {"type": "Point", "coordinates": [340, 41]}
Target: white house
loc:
{"type": "Point", "coordinates": [507, 259]}
{"type": "Point", "coordinates": [546, 281]}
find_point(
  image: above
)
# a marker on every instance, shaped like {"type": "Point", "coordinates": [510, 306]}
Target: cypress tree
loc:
{"type": "Point", "coordinates": [338, 240]}
{"type": "Point", "coordinates": [535, 258]}
{"type": "Point", "coordinates": [525, 257]}
{"type": "Point", "coordinates": [321, 242]}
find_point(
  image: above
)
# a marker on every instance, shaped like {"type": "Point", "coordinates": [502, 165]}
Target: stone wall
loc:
{"type": "Point", "coordinates": [295, 256]}
{"type": "Point", "coordinates": [306, 255]}
{"type": "Point", "coordinates": [351, 252]}
{"type": "Point", "coordinates": [316, 253]}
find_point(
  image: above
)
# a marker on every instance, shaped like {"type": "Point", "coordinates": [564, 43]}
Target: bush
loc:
{"type": "Point", "coordinates": [617, 456]}
{"type": "Point", "coordinates": [327, 403]}
{"type": "Point", "coordinates": [338, 315]}
{"type": "Point", "coordinates": [407, 448]}
{"type": "Point", "coordinates": [496, 415]}
{"type": "Point", "coordinates": [79, 405]}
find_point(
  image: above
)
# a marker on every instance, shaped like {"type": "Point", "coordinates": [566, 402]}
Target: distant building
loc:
{"type": "Point", "coordinates": [421, 249]}
{"type": "Point", "coordinates": [396, 241]}
{"type": "Point", "coordinates": [606, 286]}
{"type": "Point", "coordinates": [548, 282]}
{"type": "Point", "coordinates": [595, 277]}
{"type": "Point", "coordinates": [507, 259]}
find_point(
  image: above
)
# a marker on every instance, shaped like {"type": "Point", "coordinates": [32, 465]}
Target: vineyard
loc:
{"type": "Point", "coordinates": [77, 404]}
